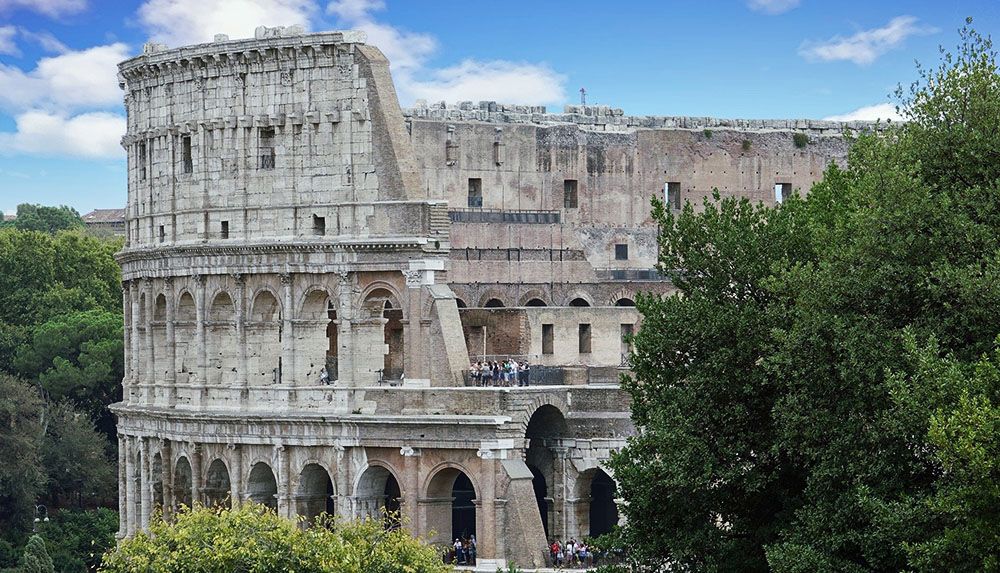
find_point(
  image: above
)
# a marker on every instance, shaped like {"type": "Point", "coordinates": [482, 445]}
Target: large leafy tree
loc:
{"type": "Point", "coordinates": [76, 461]}
{"type": "Point", "coordinates": [21, 475]}
{"type": "Point", "coordinates": [46, 219]}
{"type": "Point", "coordinates": [252, 538]}
{"type": "Point", "coordinates": [775, 393]}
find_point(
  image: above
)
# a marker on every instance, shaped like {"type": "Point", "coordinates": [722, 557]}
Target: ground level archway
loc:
{"type": "Point", "coordinates": [314, 496]}
{"type": "Point", "coordinates": [262, 488]}
{"type": "Point", "coordinates": [451, 505]}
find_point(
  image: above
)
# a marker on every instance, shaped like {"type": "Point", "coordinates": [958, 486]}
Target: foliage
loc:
{"type": "Point", "coordinates": [253, 538]}
{"type": "Point", "coordinates": [21, 477]}
{"type": "Point", "coordinates": [707, 133]}
{"type": "Point", "coordinates": [789, 420]}
{"type": "Point", "coordinates": [76, 460]}
{"type": "Point", "coordinates": [800, 140]}
{"type": "Point", "coordinates": [78, 539]}
{"type": "Point", "coordinates": [746, 145]}
{"type": "Point", "coordinates": [35, 558]}
{"type": "Point", "coordinates": [45, 219]}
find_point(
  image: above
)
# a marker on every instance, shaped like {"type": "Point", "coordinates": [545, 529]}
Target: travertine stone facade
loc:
{"type": "Point", "coordinates": [309, 270]}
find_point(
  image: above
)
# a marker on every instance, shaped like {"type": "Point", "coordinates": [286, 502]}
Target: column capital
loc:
{"type": "Point", "coordinates": [409, 452]}
{"type": "Point", "coordinates": [413, 278]}
{"type": "Point", "coordinates": [286, 278]}
{"type": "Point", "coordinates": [199, 279]}
{"type": "Point", "coordinates": [239, 278]}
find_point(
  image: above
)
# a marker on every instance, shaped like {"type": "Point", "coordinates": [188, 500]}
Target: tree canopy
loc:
{"type": "Point", "coordinates": [253, 538]}
{"type": "Point", "coordinates": [818, 395]}
{"type": "Point", "coordinates": [45, 219]}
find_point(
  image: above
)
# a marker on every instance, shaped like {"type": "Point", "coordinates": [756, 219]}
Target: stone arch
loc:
{"type": "Point", "coordinates": [263, 339]}
{"type": "Point", "coordinates": [381, 290]}
{"type": "Point", "coordinates": [622, 297]}
{"type": "Point", "coordinates": [494, 303]}
{"type": "Point", "coordinates": [524, 416]}
{"type": "Point", "coordinates": [533, 297]}
{"type": "Point", "coordinates": [596, 510]}
{"type": "Point", "coordinates": [221, 343]}
{"type": "Point", "coordinates": [218, 490]}
{"type": "Point", "coordinates": [578, 298]}
{"type": "Point", "coordinates": [377, 493]}
{"type": "Point", "coordinates": [316, 336]}
{"type": "Point", "coordinates": [451, 496]}
{"type": "Point", "coordinates": [182, 482]}
{"type": "Point", "coordinates": [460, 303]}
{"type": "Point", "coordinates": [156, 480]}
{"type": "Point", "coordinates": [381, 301]}
{"type": "Point", "coordinates": [579, 302]}
{"type": "Point", "coordinates": [314, 495]}
{"type": "Point", "coordinates": [160, 308]}
{"type": "Point", "coordinates": [161, 367]}
{"type": "Point", "coordinates": [535, 302]}
{"type": "Point", "coordinates": [262, 487]}
{"type": "Point", "coordinates": [185, 329]}
{"type": "Point", "coordinates": [492, 294]}
{"type": "Point", "coordinates": [546, 430]}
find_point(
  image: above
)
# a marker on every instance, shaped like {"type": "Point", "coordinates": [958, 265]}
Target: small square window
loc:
{"type": "Point", "coordinates": [672, 191]}
{"type": "Point", "coordinates": [319, 225]}
{"type": "Point", "coordinates": [570, 197]}
{"type": "Point", "coordinates": [225, 229]}
{"type": "Point", "coordinates": [584, 336]}
{"type": "Point", "coordinates": [621, 252]}
{"type": "Point", "coordinates": [475, 192]}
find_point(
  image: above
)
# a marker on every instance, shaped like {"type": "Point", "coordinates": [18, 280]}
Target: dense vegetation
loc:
{"type": "Point", "coordinates": [823, 392]}
{"type": "Point", "coordinates": [60, 367]}
{"type": "Point", "coordinates": [253, 538]}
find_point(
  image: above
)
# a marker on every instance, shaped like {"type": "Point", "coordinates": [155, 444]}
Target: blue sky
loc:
{"type": "Point", "coordinates": [61, 115]}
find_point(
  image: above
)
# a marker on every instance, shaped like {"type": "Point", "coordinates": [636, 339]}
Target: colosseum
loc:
{"type": "Point", "coordinates": [310, 270]}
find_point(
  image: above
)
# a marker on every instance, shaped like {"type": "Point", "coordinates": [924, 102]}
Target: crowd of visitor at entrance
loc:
{"type": "Point", "coordinates": [462, 551]}
{"type": "Point", "coordinates": [572, 553]}
{"type": "Point", "coordinates": [500, 373]}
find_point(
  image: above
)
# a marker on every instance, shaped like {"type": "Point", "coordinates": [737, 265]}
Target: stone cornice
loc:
{"type": "Point", "coordinates": [391, 244]}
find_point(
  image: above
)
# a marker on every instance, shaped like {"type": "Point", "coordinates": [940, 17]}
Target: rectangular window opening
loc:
{"type": "Point", "coordinates": [163, 234]}
{"type": "Point", "coordinates": [225, 229]}
{"type": "Point", "coordinates": [781, 191]}
{"type": "Point", "coordinates": [621, 252]}
{"type": "Point", "coordinates": [548, 339]}
{"type": "Point", "coordinates": [266, 147]}
{"type": "Point", "coordinates": [570, 198]}
{"type": "Point", "coordinates": [188, 163]}
{"type": "Point", "coordinates": [584, 336]}
{"type": "Point", "coordinates": [319, 225]}
{"type": "Point", "coordinates": [141, 157]}
{"type": "Point", "coordinates": [475, 192]}
{"type": "Point", "coordinates": [627, 331]}
{"type": "Point", "coordinates": [672, 192]}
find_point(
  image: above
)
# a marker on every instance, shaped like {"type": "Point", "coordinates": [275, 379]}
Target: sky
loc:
{"type": "Point", "coordinates": [61, 114]}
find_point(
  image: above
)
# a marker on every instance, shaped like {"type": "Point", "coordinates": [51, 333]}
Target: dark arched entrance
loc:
{"type": "Point", "coordinates": [451, 506]}
{"type": "Point", "coordinates": [546, 430]}
{"type": "Point", "coordinates": [262, 488]}
{"type": "Point", "coordinates": [541, 493]}
{"type": "Point", "coordinates": [182, 483]}
{"type": "Point", "coordinates": [217, 486]}
{"type": "Point", "coordinates": [603, 511]}
{"type": "Point", "coordinates": [315, 495]}
{"type": "Point", "coordinates": [463, 508]}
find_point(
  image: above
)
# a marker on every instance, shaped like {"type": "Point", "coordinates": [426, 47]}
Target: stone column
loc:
{"type": "Point", "coordinates": [167, 458]}
{"type": "Point", "coordinates": [145, 487]}
{"type": "Point", "coordinates": [199, 305]}
{"type": "Point", "coordinates": [241, 332]}
{"type": "Point", "coordinates": [127, 313]}
{"type": "Point", "coordinates": [135, 362]}
{"type": "Point", "coordinates": [149, 377]}
{"type": "Point", "coordinates": [284, 482]}
{"type": "Point", "coordinates": [195, 451]}
{"type": "Point", "coordinates": [410, 486]}
{"type": "Point", "coordinates": [345, 313]}
{"type": "Point", "coordinates": [171, 351]}
{"type": "Point", "coordinates": [415, 358]}
{"type": "Point", "coordinates": [130, 490]}
{"type": "Point", "coordinates": [560, 518]}
{"type": "Point", "coordinates": [287, 335]}
{"type": "Point", "coordinates": [486, 519]}
{"type": "Point", "coordinates": [236, 471]}
{"type": "Point", "coordinates": [122, 484]}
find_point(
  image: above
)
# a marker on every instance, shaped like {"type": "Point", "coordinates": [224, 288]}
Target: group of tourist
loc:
{"type": "Point", "coordinates": [572, 553]}
{"type": "Point", "coordinates": [462, 551]}
{"type": "Point", "coordinates": [502, 373]}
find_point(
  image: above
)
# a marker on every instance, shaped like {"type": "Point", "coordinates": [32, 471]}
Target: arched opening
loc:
{"type": "Point", "coordinates": [603, 510]}
{"type": "Point", "coordinates": [546, 429]}
{"type": "Point", "coordinates": [494, 303]}
{"type": "Point", "coordinates": [262, 488]}
{"type": "Point", "coordinates": [315, 494]}
{"type": "Point", "coordinates": [452, 505]}
{"type": "Point", "coordinates": [579, 301]}
{"type": "Point", "coordinates": [263, 332]}
{"type": "Point", "coordinates": [137, 478]}
{"type": "Point", "coordinates": [541, 496]}
{"type": "Point", "coordinates": [161, 368]}
{"type": "Point", "coordinates": [182, 483]}
{"type": "Point", "coordinates": [378, 495]}
{"type": "Point", "coordinates": [536, 302]}
{"type": "Point", "coordinates": [221, 341]}
{"type": "Point", "coordinates": [156, 478]}
{"type": "Point", "coordinates": [624, 301]}
{"type": "Point", "coordinates": [184, 336]}
{"type": "Point", "coordinates": [381, 303]}
{"type": "Point", "coordinates": [217, 487]}
{"type": "Point", "coordinates": [460, 303]}
{"type": "Point", "coordinates": [316, 339]}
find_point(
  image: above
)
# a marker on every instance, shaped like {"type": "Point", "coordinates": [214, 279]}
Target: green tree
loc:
{"type": "Point", "coordinates": [77, 539]}
{"type": "Point", "coordinates": [46, 219]}
{"type": "Point", "coordinates": [252, 538]}
{"type": "Point", "coordinates": [76, 461]}
{"type": "Point", "coordinates": [21, 474]}
{"type": "Point", "coordinates": [35, 558]}
{"type": "Point", "coordinates": [775, 392]}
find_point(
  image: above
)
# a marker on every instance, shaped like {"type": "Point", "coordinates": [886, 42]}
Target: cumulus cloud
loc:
{"type": "Point", "coordinates": [7, 43]}
{"type": "Point", "coordinates": [53, 8]}
{"type": "Point", "coordinates": [93, 135]}
{"type": "Point", "coordinates": [47, 41]}
{"type": "Point", "coordinates": [408, 53]}
{"type": "Point", "coordinates": [865, 46]}
{"type": "Point", "coordinates": [772, 6]}
{"type": "Point", "coordinates": [181, 22]}
{"type": "Point", "coordinates": [85, 78]}
{"type": "Point", "coordinates": [883, 111]}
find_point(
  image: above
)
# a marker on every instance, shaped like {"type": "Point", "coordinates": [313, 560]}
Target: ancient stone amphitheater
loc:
{"type": "Point", "coordinates": [309, 271]}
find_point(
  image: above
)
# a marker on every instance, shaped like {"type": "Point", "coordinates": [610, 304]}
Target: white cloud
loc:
{"type": "Point", "coordinates": [7, 44]}
{"type": "Point", "coordinates": [181, 22]}
{"type": "Point", "coordinates": [86, 78]}
{"type": "Point", "coordinates": [865, 46]}
{"type": "Point", "coordinates": [507, 82]}
{"type": "Point", "coordinates": [883, 111]}
{"type": "Point", "coordinates": [772, 6]}
{"type": "Point", "coordinates": [52, 8]}
{"type": "Point", "coordinates": [93, 135]}
{"type": "Point", "coordinates": [47, 41]}
{"type": "Point", "coordinates": [408, 53]}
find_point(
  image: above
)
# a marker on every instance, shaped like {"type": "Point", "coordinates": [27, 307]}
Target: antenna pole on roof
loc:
{"type": "Point", "coordinates": [583, 96]}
